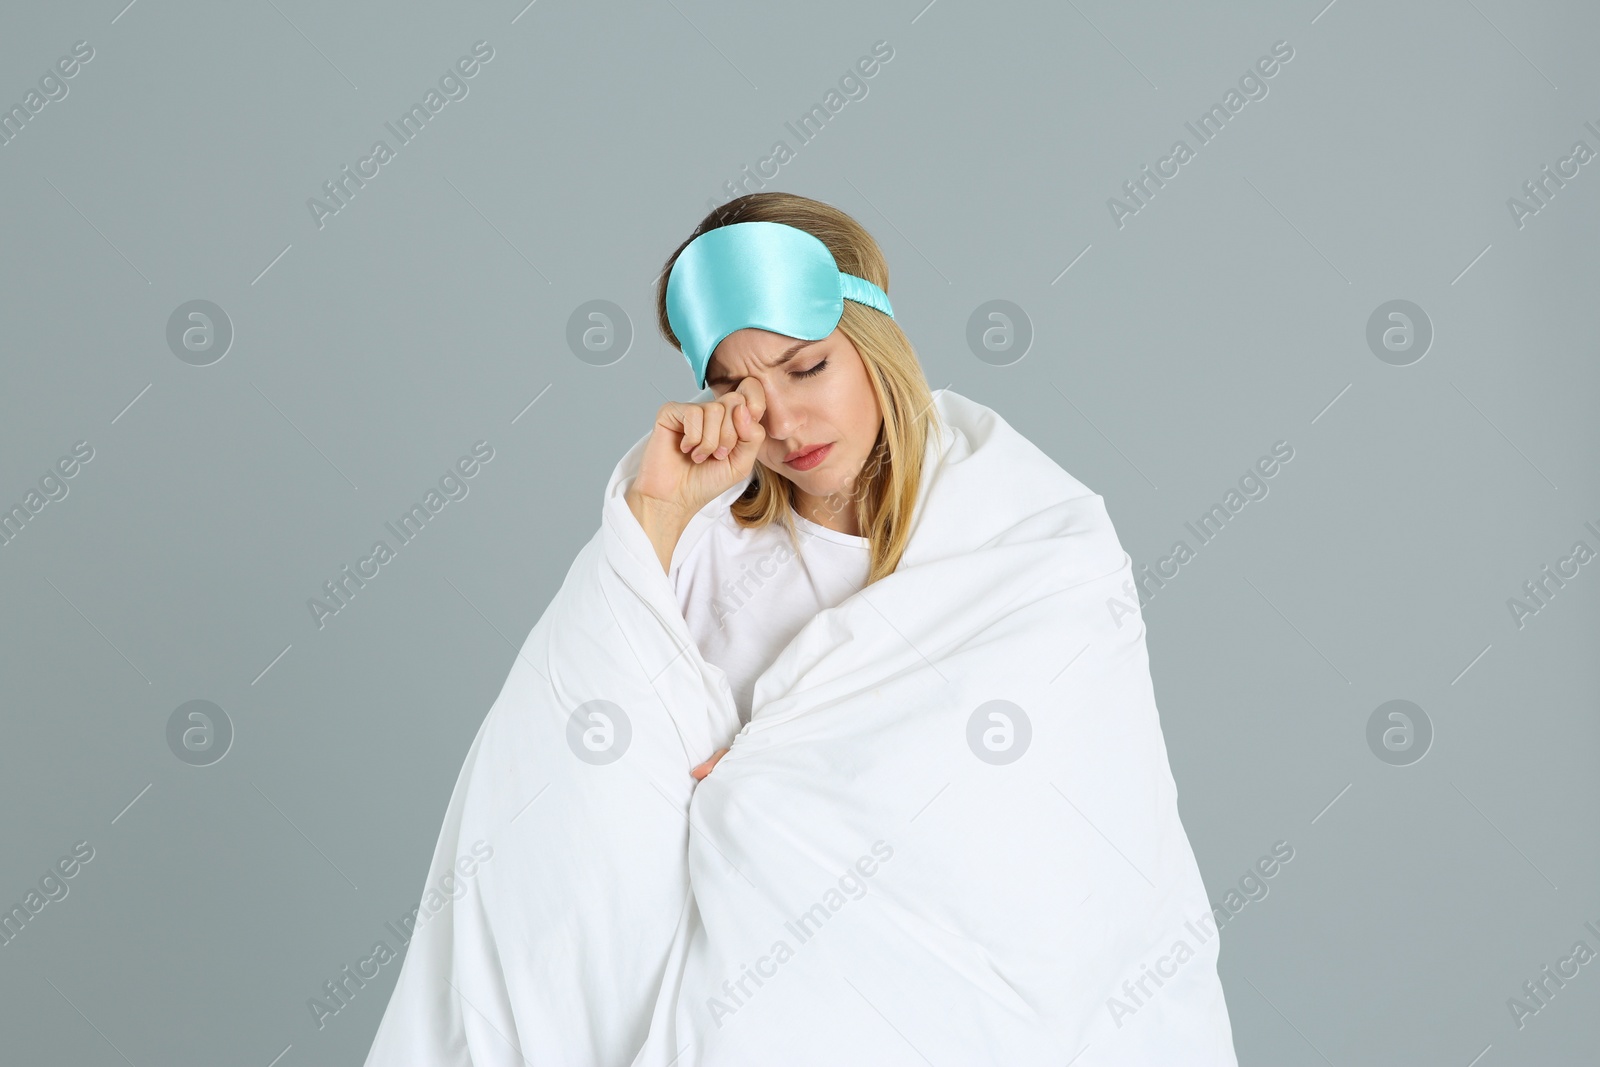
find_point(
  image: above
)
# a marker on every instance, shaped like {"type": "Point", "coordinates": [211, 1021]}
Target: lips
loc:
{"type": "Point", "coordinates": [805, 459]}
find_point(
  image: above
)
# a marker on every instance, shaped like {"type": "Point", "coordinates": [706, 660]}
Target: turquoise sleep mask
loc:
{"type": "Point", "coordinates": [764, 274]}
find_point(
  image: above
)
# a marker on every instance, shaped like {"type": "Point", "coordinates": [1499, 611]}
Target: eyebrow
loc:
{"type": "Point", "coordinates": [793, 350]}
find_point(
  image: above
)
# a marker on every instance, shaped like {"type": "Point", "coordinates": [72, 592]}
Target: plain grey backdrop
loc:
{"type": "Point", "coordinates": [347, 359]}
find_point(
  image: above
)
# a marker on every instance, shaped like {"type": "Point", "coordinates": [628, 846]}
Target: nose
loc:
{"type": "Point", "coordinates": [779, 419]}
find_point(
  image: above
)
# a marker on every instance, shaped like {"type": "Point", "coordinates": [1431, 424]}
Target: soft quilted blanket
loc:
{"type": "Point", "coordinates": [948, 835]}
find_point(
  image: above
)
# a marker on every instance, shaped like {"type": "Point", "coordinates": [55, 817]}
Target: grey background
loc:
{"type": "Point", "coordinates": [1228, 314]}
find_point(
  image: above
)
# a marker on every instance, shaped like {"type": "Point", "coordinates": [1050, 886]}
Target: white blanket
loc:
{"type": "Point", "coordinates": [948, 835]}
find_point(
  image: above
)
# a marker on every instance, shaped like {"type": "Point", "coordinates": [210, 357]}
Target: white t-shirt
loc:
{"type": "Point", "coordinates": [745, 593]}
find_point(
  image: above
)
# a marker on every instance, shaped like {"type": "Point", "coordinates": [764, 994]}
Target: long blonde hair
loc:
{"type": "Point", "coordinates": [884, 494]}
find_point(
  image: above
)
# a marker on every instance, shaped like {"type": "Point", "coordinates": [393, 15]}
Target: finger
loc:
{"type": "Point", "coordinates": [731, 403]}
{"type": "Point", "coordinates": [751, 436]}
{"type": "Point", "coordinates": [711, 431]}
{"type": "Point", "coordinates": [693, 420]}
{"type": "Point", "coordinates": [705, 768]}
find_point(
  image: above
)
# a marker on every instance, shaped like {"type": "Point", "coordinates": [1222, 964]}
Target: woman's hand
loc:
{"type": "Point", "coordinates": [705, 768]}
{"type": "Point", "coordinates": [698, 451]}
{"type": "Point", "coordinates": [695, 454]}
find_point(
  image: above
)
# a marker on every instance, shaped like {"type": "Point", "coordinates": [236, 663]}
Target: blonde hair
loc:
{"type": "Point", "coordinates": [884, 493]}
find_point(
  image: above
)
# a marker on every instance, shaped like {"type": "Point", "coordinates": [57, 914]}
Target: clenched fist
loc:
{"type": "Point", "coordinates": [695, 454]}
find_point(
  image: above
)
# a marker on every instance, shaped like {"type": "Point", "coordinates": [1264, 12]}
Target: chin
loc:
{"type": "Point", "coordinates": [821, 483]}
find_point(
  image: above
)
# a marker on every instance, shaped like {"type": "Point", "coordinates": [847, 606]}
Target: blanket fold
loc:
{"type": "Point", "coordinates": [948, 834]}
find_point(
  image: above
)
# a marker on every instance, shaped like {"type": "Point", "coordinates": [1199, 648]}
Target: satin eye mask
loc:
{"type": "Point", "coordinates": [768, 275]}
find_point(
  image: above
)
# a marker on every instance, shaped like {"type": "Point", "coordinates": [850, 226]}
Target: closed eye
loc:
{"type": "Point", "coordinates": [813, 371]}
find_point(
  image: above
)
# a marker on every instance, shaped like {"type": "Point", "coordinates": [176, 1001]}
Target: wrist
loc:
{"type": "Point", "coordinates": [655, 513]}
{"type": "Point", "coordinates": [662, 521]}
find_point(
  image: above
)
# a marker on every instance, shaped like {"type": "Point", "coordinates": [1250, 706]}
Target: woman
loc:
{"type": "Point", "coordinates": [941, 822]}
{"type": "Point", "coordinates": [835, 445]}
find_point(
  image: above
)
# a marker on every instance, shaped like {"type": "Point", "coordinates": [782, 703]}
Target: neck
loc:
{"type": "Point", "coordinates": [827, 512]}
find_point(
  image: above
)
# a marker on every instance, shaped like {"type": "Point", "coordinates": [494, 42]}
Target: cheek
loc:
{"type": "Point", "coordinates": [863, 416]}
